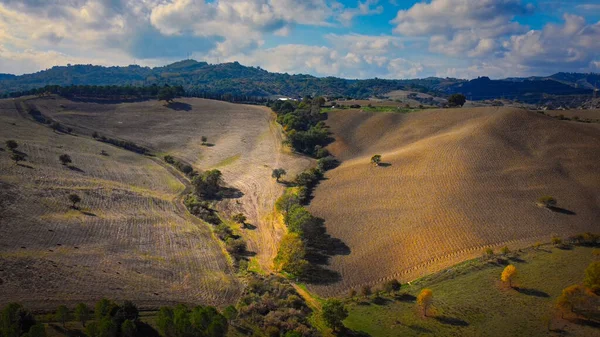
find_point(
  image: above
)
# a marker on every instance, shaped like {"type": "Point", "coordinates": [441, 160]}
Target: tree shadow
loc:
{"type": "Point", "coordinates": [419, 329]}
{"type": "Point", "coordinates": [208, 144]}
{"type": "Point", "coordinates": [352, 333]}
{"type": "Point", "coordinates": [179, 106]}
{"type": "Point", "coordinates": [25, 166]}
{"type": "Point", "coordinates": [20, 153]}
{"type": "Point", "coordinates": [316, 274]}
{"type": "Point", "coordinates": [451, 321]}
{"type": "Point", "coordinates": [88, 213]}
{"type": "Point", "coordinates": [384, 164]}
{"type": "Point", "coordinates": [229, 193]}
{"type": "Point", "coordinates": [532, 292]}
{"type": "Point", "coordinates": [405, 297]}
{"type": "Point", "coordinates": [248, 226]}
{"type": "Point", "coordinates": [561, 210]}
{"type": "Point", "coordinates": [585, 322]}
{"type": "Point", "coordinates": [75, 168]}
{"type": "Point", "coordinates": [144, 329]}
{"type": "Point", "coordinates": [381, 300]}
{"type": "Point", "coordinates": [517, 259]}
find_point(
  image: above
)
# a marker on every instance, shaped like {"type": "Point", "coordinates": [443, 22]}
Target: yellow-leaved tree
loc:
{"type": "Point", "coordinates": [573, 297]}
{"type": "Point", "coordinates": [508, 274]}
{"type": "Point", "coordinates": [424, 299]}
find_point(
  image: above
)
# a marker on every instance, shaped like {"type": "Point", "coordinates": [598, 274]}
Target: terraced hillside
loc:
{"type": "Point", "coordinates": [452, 183]}
{"type": "Point", "coordinates": [130, 239]}
{"type": "Point", "coordinates": [244, 142]}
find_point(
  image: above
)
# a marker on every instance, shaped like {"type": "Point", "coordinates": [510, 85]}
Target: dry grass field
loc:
{"type": "Point", "coordinates": [244, 142]}
{"type": "Point", "coordinates": [453, 182]}
{"type": "Point", "coordinates": [130, 239]}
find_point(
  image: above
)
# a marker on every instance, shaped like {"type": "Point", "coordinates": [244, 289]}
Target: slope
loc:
{"type": "Point", "coordinates": [130, 239]}
{"type": "Point", "coordinates": [453, 182]}
{"type": "Point", "coordinates": [244, 142]}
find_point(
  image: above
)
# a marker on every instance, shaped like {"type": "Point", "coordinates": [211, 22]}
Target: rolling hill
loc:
{"type": "Point", "coordinates": [452, 183]}
{"type": "Point", "coordinates": [133, 238]}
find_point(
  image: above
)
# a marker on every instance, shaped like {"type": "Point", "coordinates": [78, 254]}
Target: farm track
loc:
{"type": "Point", "coordinates": [455, 182]}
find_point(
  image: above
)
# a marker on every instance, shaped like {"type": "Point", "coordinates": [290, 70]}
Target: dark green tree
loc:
{"type": "Point", "coordinates": [391, 286]}
{"type": "Point", "coordinates": [82, 313]}
{"type": "Point", "coordinates": [65, 159]}
{"type": "Point", "coordinates": [11, 144]}
{"type": "Point", "coordinates": [74, 198]}
{"type": "Point", "coordinates": [62, 314]}
{"type": "Point", "coordinates": [164, 321]}
{"type": "Point", "coordinates": [166, 94]}
{"type": "Point", "coordinates": [15, 320]}
{"type": "Point", "coordinates": [128, 328]}
{"type": "Point", "coordinates": [334, 313]}
{"type": "Point", "coordinates": [278, 173]}
{"type": "Point", "coordinates": [457, 100]}
{"type": "Point", "coordinates": [17, 157]}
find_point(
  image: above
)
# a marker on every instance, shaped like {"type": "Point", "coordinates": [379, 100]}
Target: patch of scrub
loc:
{"type": "Point", "coordinates": [228, 161]}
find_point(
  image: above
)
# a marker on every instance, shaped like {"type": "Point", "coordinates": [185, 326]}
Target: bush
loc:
{"type": "Point", "coordinates": [327, 163]}
{"type": "Point", "coordinates": [391, 286]}
{"type": "Point", "coordinates": [546, 201]}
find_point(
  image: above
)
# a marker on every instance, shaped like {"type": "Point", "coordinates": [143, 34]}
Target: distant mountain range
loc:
{"type": "Point", "coordinates": [236, 79]}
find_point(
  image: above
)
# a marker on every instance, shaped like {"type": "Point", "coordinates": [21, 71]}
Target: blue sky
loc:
{"type": "Point", "coordinates": [346, 38]}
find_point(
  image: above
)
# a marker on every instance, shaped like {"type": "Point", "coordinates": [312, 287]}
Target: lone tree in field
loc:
{"type": "Point", "coordinates": [62, 314]}
{"type": "Point", "coordinates": [74, 198]}
{"type": "Point", "coordinates": [65, 159]}
{"type": "Point", "coordinates": [508, 274]}
{"type": "Point", "coordinates": [12, 145]}
{"type": "Point", "coordinates": [204, 140]}
{"type": "Point", "coordinates": [334, 313]}
{"type": "Point", "coordinates": [17, 157]}
{"type": "Point", "coordinates": [546, 201]}
{"type": "Point", "coordinates": [425, 299]}
{"type": "Point", "coordinates": [239, 218]}
{"type": "Point", "coordinates": [457, 100]}
{"type": "Point", "coordinates": [82, 313]}
{"type": "Point", "coordinates": [278, 173]}
{"type": "Point", "coordinates": [391, 286]}
{"type": "Point", "coordinates": [592, 277]}
{"type": "Point", "coordinates": [571, 298]}
{"type": "Point", "coordinates": [376, 159]}
{"type": "Point", "coordinates": [166, 94]}
{"type": "Point", "coordinates": [365, 291]}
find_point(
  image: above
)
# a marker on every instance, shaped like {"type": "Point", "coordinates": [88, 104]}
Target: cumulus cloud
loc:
{"type": "Point", "coordinates": [462, 26]}
{"type": "Point", "coordinates": [367, 7]}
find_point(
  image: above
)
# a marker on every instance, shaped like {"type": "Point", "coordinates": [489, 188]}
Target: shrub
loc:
{"type": "Point", "coordinates": [327, 163]}
{"type": "Point", "coordinates": [365, 291]}
{"type": "Point", "coordinates": [334, 313]}
{"type": "Point", "coordinates": [592, 277]}
{"type": "Point", "coordinates": [546, 201]}
{"type": "Point", "coordinates": [11, 144]}
{"type": "Point", "coordinates": [169, 159]}
{"type": "Point", "coordinates": [504, 250]}
{"type": "Point", "coordinates": [376, 159]}
{"type": "Point", "coordinates": [391, 286]}
{"type": "Point", "coordinates": [556, 240]}
{"type": "Point", "coordinates": [65, 159]}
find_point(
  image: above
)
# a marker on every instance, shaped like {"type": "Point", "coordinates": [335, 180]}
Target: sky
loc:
{"type": "Point", "coordinates": [344, 38]}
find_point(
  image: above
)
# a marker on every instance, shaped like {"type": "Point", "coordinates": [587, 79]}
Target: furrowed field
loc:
{"type": "Point", "coordinates": [132, 238]}
{"type": "Point", "coordinates": [244, 142]}
{"type": "Point", "coordinates": [451, 183]}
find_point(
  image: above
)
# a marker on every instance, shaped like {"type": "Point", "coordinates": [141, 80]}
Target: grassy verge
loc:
{"type": "Point", "coordinates": [470, 300]}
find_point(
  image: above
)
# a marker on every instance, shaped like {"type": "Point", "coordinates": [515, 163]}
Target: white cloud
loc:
{"type": "Point", "coordinates": [363, 8]}
{"type": "Point", "coordinates": [366, 44]}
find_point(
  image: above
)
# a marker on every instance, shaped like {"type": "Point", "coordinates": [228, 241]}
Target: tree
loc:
{"type": "Point", "coordinates": [376, 159]}
{"type": "Point", "coordinates": [65, 159]}
{"type": "Point", "coordinates": [74, 198]}
{"type": "Point", "coordinates": [164, 321]}
{"type": "Point", "coordinates": [15, 320]}
{"type": "Point", "coordinates": [592, 277]}
{"type": "Point", "coordinates": [508, 274]}
{"type": "Point", "coordinates": [82, 313]}
{"type": "Point", "coordinates": [571, 298]}
{"type": "Point", "coordinates": [391, 286]}
{"type": "Point", "coordinates": [230, 313]}
{"type": "Point", "coordinates": [103, 308]}
{"type": "Point", "coordinates": [365, 291]}
{"type": "Point", "coordinates": [95, 135]}
{"type": "Point", "coordinates": [546, 201]}
{"type": "Point", "coordinates": [239, 218]}
{"type": "Point", "coordinates": [166, 94]}
{"type": "Point", "coordinates": [457, 100]}
{"type": "Point", "coordinates": [290, 256]}
{"type": "Point", "coordinates": [12, 145]}
{"type": "Point", "coordinates": [128, 328]}
{"type": "Point", "coordinates": [38, 330]}
{"type": "Point", "coordinates": [425, 299]}
{"type": "Point", "coordinates": [504, 250]}
{"type": "Point", "coordinates": [17, 157]}
{"type": "Point", "coordinates": [204, 140]}
{"type": "Point", "coordinates": [55, 126]}
{"type": "Point", "coordinates": [334, 313]}
{"type": "Point", "coordinates": [278, 173]}
{"type": "Point", "coordinates": [62, 314]}
{"type": "Point", "coordinates": [556, 240]}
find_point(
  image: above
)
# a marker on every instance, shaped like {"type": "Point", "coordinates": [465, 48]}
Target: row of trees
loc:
{"type": "Point", "coordinates": [105, 92]}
